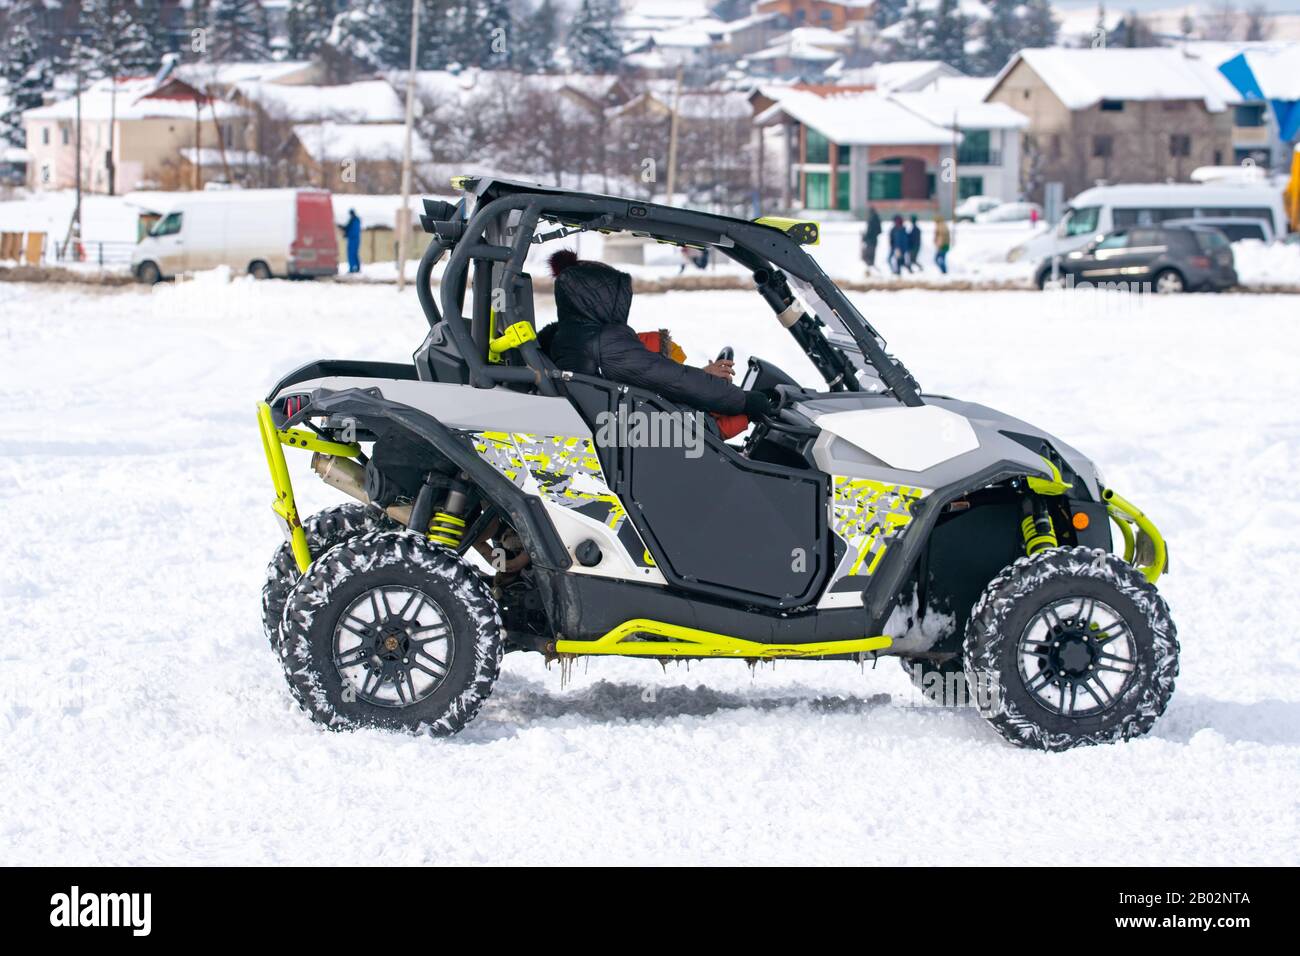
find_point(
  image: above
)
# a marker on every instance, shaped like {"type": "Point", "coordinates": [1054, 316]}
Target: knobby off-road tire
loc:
{"type": "Point", "coordinates": [324, 530]}
{"type": "Point", "coordinates": [1035, 596]}
{"type": "Point", "coordinates": [382, 605]}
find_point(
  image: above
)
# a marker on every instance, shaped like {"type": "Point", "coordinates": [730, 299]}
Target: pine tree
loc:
{"type": "Point", "coordinates": [497, 34]}
{"type": "Point", "coordinates": [948, 40]}
{"type": "Point", "coordinates": [1039, 24]}
{"type": "Point", "coordinates": [592, 45]}
{"type": "Point", "coordinates": [118, 38]}
{"type": "Point", "coordinates": [308, 24]}
{"type": "Point", "coordinates": [938, 33]}
{"type": "Point", "coordinates": [536, 36]}
{"type": "Point", "coordinates": [238, 30]}
{"type": "Point", "coordinates": [26, 74]}
{"type": "Point", "coordinates": [1001, 34]}
{"type": "Point", "coordinates": [889, 12]}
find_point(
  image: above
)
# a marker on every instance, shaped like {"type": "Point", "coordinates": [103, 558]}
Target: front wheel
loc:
{"type": "Point", "coordinates": [388, 630]}
{"type": "Point", "coordinates": [1169, 282]}
{"type": "Point", "coordinates": [148, 273]}
{"type": "Point", "coordinates": [259, 270]}
{"type": "Point", "coordinates": [1069, 647]}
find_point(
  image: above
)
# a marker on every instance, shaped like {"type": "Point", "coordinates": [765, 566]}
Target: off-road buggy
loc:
{"type": "Point", "coordinates": [862, 519]}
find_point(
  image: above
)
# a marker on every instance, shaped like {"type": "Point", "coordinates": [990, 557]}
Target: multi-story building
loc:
{"type": "Point", "coordinates": [1116, 115]}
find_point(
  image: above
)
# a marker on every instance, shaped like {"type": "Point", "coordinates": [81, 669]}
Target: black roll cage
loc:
{"type": "Point", "coordinates": [483, 241]}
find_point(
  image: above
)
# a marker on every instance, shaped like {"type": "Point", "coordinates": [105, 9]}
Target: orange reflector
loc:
{"type": "Point", "coordinates": [1080, 520]}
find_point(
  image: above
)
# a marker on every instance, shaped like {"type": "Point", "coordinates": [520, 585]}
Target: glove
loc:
{"type": "Point", "coordinates": [758, 405]}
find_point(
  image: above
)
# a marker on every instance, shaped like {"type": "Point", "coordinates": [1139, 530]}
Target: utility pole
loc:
{"type": "Point", "coordinates": [952, 229]}
{"type": "Point", "coordinates": [198, 141]}
{"type": "Point", "coordinates": [404, 212]}
{"type": "Point", "coordinates": [74, 225]}
{"type": "Point", "coordinates": [672, 138]}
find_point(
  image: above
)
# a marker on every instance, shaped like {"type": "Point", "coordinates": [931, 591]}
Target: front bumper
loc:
{"type": "Point", "coordinates": [1144, 546]}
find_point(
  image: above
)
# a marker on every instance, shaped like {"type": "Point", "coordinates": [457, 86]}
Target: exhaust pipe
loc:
{"type": "Point", "coordinates": [350, 478]}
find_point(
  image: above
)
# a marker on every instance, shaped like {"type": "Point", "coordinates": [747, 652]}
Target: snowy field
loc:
{"type": "Point", "coordinates": [144, 720]}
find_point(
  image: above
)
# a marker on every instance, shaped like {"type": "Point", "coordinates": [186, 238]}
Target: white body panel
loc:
{"type": "Point", "coordinates": [903, 438]}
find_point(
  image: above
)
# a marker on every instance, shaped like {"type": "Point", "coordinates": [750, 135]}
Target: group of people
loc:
{"type": "Point", "coordinates": [904, 243]}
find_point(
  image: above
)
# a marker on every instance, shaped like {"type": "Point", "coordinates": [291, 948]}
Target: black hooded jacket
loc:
{"type": "Point", "coordinates": [593, 337]}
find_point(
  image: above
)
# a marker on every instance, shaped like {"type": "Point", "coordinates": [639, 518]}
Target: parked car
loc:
{"type": "Point", "coordinates": [972, 206]}
{"type": "Point", "coordinates": [1102, 209]}
{"type": "Point", "coordinates": [1236, 228]}
{"type": "Point", "coordinates": [264, 232]}
{"type": "Point", "coordinates": [1012, 212]}
{"type": "Point", "coordinates": [1169, 258]}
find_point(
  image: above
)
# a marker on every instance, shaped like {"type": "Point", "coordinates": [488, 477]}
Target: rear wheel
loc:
{"type": "Point", "coordinates": [1169, 282]}
{"type": "Point", "coordinates": [388, 630]}
{"type": "Point", "coordinates": [324, 530]}
{"type": "Point", "coordinates": [259, 270]}
{"type": "Point", "coordinates": [1069, 647]}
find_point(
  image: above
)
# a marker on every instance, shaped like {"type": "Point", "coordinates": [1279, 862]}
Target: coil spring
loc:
{"type": "Point", "coordinates": [446, 529]}
{"type": "Point", "coordinates": [1038, 532]}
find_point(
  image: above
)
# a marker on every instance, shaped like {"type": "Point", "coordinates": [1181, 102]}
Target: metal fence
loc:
{"type": "Point", "coordinates": [111, 254]}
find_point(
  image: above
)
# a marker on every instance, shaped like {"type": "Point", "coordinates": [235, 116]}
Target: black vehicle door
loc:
{"type": "Point", "coordinates": [715, 522]}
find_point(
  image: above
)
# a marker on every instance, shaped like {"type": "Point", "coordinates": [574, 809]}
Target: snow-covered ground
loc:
{"type": "Point", "coordinates": [143, 719]}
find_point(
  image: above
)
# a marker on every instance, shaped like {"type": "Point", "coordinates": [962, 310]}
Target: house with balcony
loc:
{"type": "Point", "coordinates": [842, 151]}
{"type": "Point", "coordinates": [1118, 115]}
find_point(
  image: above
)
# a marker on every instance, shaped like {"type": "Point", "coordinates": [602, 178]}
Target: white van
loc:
{"type": "Point", "coordinates": [1102, 209]}
{"type": "Point", "coordinates": [264, 232]}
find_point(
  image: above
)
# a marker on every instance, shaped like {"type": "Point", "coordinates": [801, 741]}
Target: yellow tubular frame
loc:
{"type": "Point", "coordinates": [689, 642]}
{"type": "Point", "coordinates": [273, 441]}
{"type": "Point", "coordinates": [1126, 516]}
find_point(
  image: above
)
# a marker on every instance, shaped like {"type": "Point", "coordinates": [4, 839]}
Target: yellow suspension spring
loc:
{"type": "Point", "coordinates": [1038, 532]}
{"type": "Point", "coordinates": [446, 529]}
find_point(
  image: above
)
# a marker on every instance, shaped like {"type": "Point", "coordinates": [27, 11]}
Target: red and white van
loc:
{"type": "Point", "coordinates": [264, 232]}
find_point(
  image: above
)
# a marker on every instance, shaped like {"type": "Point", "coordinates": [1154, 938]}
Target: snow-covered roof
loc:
{"type": "Point", "coordinates": [331, 142]}
{"type": "Point", "coordinates": [1082, 78]}
{"type": "Point", "coordinates": [211, 156]}
{"type": "Point", "coordinates": [796, 49]}
{"type": "Point", "coordinates": [899, 75]}
{"type": "Point", "coordinates": [128, 98]}
{"type": "Point", "coordinates": [942, 108]}
{"type": "Point", "coordinates": [698, 34]}
{"type": "Point", "coordinates": [368, 101]}
{"type": "Point", "coordinates": [268, 71]}
{"type": "Point", "coordinates": [449, 85]}
{"type": "Point", "coordinates": [693, 104]}
{"type": "Point", "coordinates": [972, 88]}
{"type": "Point", "coordinates": [852, 119]}
{"type": "Point", "coordinates": [816, 36]}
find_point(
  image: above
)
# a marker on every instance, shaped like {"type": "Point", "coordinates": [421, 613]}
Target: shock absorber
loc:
{"type": "Point", "coordinates": [1036, 527]}
{"type": "Point", "coordinates": [448, 524]}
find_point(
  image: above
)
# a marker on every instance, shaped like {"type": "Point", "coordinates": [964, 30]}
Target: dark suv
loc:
{"type": "Point", "coordinates": [1170, 258]}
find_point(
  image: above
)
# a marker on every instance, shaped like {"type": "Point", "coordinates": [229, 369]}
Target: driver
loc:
{"type": "Point", "coordinates": [592, 336]}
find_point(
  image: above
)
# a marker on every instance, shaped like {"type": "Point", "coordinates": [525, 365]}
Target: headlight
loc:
{"type": "Point", "coordinates": [1015, 254]}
